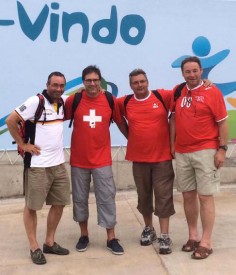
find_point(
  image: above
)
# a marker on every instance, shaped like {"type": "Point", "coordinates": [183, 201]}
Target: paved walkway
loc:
{"type": "Point", "coordinates": [136, 260]}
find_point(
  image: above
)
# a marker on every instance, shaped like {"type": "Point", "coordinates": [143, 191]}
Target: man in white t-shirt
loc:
{"type": "Point", "coordinates": [45, 175]}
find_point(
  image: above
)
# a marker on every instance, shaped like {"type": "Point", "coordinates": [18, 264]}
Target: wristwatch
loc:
{"type": "Point", "coordinates": [224, 147]}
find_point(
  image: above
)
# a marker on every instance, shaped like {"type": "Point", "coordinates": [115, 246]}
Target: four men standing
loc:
{"type": "Point", "coordinates": [198, 141]}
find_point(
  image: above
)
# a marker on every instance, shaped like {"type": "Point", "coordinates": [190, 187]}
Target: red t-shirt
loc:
{"type": "Point", "coordinates": [196, 120]}
{"type": "Point", "coordinates": [90, 141]}
{"type": "Point", "coordinates": [148, 139]}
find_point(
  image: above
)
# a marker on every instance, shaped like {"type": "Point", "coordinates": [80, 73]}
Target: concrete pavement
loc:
{"type": "Point", "coordinates": [138, 260]}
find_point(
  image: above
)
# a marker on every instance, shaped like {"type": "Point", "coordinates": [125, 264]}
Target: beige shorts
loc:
{"type": "Point", "coordinates": [49, 184]}
{"type": "Point", "coordinates": [197, 171]}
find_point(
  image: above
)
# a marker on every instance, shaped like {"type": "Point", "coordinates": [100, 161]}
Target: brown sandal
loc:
{"type": "Point", "coordinates": [203, 253]}
{"type": "Point", "coordinates": [190, 246]}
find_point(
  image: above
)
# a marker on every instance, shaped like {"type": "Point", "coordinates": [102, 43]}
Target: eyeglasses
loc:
{"type": "Point", "coordinates": [89, 81]}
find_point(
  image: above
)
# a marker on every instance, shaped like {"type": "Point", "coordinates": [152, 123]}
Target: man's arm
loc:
{"type": "Point", "coordinates": [12, 124]}
{"type": "Point", "coordinates": [123, 127]}
{"type": "Point", "coordinates": [118, 116]}
{"type": "Point", "coordinates": [223, 136]}
{"type": "Point", "coordinates": [172, 134]}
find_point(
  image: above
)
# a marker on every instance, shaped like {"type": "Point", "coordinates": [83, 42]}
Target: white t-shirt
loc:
{"type": "Point", "coordinates": [48, 135]}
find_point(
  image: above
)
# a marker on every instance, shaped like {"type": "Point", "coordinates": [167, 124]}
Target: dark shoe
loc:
{"type": "Point", "coordinates": [148, 236]}
{"type": "Point", "coordinates": [115, 247]}
{"type": "Point", "coordinates": [165, 245]}
{"type": "Point", "coordinates": [55, 249]}
{"type": "Point", "coordinates": [82, 244]}
{"type": "Point", "coordinates": [37, 256]}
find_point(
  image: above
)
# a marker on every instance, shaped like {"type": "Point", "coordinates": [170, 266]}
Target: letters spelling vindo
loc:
{"type": "Point", "coordinates": [132, 26]}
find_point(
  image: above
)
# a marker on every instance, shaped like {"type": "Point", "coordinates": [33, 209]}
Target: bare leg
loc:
{"type": "Point", "coordinates": [148, 220]}
{"type": "Point", "coordinates": [191, 210]}
{"type": "Point", "coordinates": [110, 234]}
{"type": "Point", "coordinates": [30, 221]}
{"type": "Point", "coordinates": [53, 219]}
{"type": "Point", "coordinates": [84, 228]}
{"type": "Point", "coordinates": [207, 214]}
{"type": "Point", "coordinates": [164, 225]}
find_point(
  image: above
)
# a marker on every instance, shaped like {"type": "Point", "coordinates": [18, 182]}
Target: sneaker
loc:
{"type": "Point", "coordinates": [165, 245]}
{"type": "Point", "coordinates": [148, 236]}
{"type": "Point", "coordinates": [82, 244]}
{"type": "Point", "coordinates": [115, 247]}
{"type": "Point", "coordinates": [37, 256]}
{"type": "Point", "coordinates": [55, 249]}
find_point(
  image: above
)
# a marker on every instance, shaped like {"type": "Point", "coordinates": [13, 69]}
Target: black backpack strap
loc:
{"type": "Point", "coordinates": [178, 90]}
{"type": "Point", "coordinates": [110, 100]}
{"type": "Point", "coordinates": [127, 99]}
{"type": "Point", "coordinates": [76, 101]}
{"type": "Point", "coordinates": [158, 96]}
{"type": "Point", "coordinates": [155, 92]}
{"type": "Point", "coordinates": [177, 94]}
{"type": "Point", "coordinates": [40, 109]}
{"type": "Point", "coordinates": [61, 103]}
{"type": "Point", "coordinates": [30, 128]}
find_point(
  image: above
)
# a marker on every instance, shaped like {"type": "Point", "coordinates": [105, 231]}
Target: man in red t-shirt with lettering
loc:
{"type": "Point", "coordinates": [91, 155]}
{"type": "Point", "coordinates": [199, 135]}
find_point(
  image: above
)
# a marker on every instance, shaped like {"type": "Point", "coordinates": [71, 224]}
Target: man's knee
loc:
{"type": "Point", "coordinates": [206, 198]}
{"type": "Point", "coordinates": [58, 209]}
{"type": "Point", "coordinates": [190, 195]}
{"type": "Point", "coordinates": [29, 211]}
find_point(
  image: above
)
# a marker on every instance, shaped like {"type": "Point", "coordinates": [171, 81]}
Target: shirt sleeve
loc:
{"type": "Point", "coordinates": [218, 106]}
{"type": "Point", "coordinates": [26, 110]}
{"type": "Point", "coordinates": [68, 106]}
{"type": "Point", "coordinates": [166, 96]}
{"type": "Point", "coordinates": [120, 102]}
{"type": "Point", "coordinates": [172, 100]}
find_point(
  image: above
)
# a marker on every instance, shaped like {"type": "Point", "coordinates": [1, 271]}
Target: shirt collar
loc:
{"type": "Point", "coordinates": [149, 94]}
{"type": "Point", "coordinates": [195, 87]}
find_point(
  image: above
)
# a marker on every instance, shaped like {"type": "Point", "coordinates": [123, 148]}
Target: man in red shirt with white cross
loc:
{"type": "Point", "coordinates": [91, 155]}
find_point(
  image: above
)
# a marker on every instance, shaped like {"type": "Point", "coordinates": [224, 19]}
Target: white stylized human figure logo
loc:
{"type": "Point", "coordinates": [92, 118]}
{"type": "Point", "coordinates": [201, 47]}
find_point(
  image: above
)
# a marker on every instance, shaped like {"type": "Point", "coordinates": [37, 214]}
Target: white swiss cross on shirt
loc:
{"type": "Point", "coordinates": [92, 118]}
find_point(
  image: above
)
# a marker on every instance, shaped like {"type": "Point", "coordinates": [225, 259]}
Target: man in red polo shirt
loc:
{"type": "Point", "coordinates": [199, 135]}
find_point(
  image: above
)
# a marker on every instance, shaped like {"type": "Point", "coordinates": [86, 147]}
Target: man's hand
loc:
{"type": "Point", "coordinates": [31, 148]}
{"type": "Point", "coordinates": [220, 157]}
{"type": "Point", "coordinates": [172, 151]}
{"type": "Point", "coordinates": [80, 90]}
{"type": "Point", "coordinates": [207, 83]}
